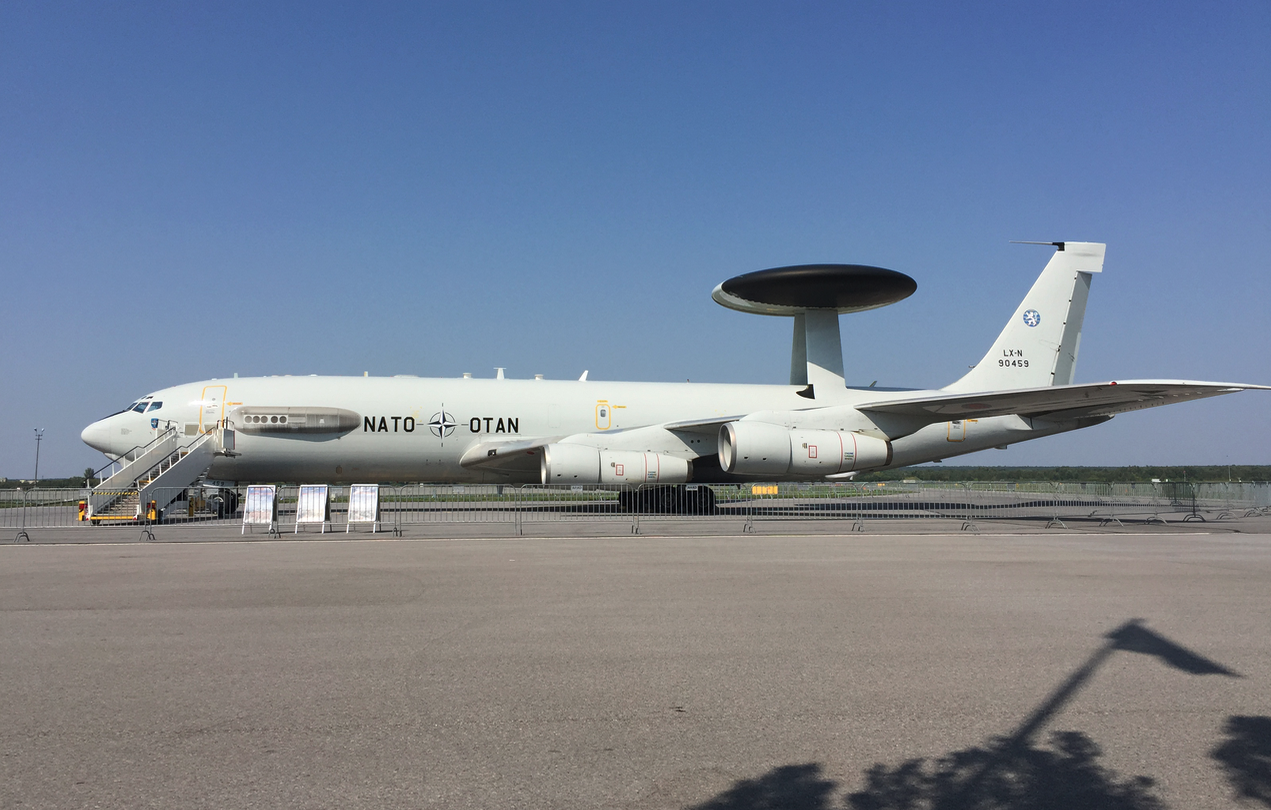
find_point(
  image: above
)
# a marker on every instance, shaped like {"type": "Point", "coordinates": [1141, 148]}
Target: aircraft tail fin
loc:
{"type": "Point", "coordinates": [1039, 345]}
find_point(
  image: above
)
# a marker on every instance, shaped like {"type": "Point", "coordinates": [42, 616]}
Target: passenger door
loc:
{"type": "Point", "coordinates": [211, 408]}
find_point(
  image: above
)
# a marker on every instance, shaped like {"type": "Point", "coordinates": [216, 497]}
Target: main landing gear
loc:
{"type": "Point", "coordinates": [668, 500]}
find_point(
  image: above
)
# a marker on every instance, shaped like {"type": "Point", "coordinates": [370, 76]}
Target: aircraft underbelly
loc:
{"type": "Point", "coordinates": [348, 459]}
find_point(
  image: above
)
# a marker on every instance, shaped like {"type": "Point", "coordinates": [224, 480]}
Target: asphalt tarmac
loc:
{"type": "Point", "coordinates": [1012, 668]}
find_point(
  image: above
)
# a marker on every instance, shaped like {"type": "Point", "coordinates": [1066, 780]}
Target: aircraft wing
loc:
{"type": "Point", "coordinates": [520, 456]}
{"type": "Point", "coordinates": [1057, 401]}
{"type": "Point", "coordinates": [709, 426]}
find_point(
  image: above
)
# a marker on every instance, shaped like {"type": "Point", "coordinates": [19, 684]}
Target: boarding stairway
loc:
{"type": "Point", "coordinates": [159, 471]}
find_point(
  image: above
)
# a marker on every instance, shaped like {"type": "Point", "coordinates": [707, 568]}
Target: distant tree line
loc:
{"type": "Point", "coordinates": [74, 482]}
{"type": "Point", "coordinates": [1198, 473]}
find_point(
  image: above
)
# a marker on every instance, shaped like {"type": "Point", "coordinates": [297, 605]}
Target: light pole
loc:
{"type": "Point", "coordinates": [39, 434]}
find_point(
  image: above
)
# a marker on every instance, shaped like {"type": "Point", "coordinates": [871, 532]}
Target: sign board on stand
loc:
{"type": "Point", "coordinates": [260, 508]}
{"type": "Point", "coordinates": [364, 506]}
{"type": "Point", "coordinates": [313, 506]}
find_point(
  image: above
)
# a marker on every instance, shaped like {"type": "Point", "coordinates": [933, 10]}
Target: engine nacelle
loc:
{"type": "Point", "coordinates": [758, 448]}
{"type": "Point", "coordinates": [754, 448]}
{"type": "Point", "coordinates": [581, 464]}
{"type": "Point", "coordinates": [827, 452]}
{"type": "Point", "coordinates": [627, 467]}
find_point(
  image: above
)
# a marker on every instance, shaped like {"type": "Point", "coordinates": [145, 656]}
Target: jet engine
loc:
{"type": "Point", "coordinates": [581, 464]}
{"type": "Point", "coordinates": [758, 448]}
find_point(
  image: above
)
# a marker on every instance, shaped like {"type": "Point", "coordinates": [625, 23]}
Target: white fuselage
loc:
{"type": "Point", "coordinates": [418, 429]}
{"type": "Point", "coordinates": [407, 429]}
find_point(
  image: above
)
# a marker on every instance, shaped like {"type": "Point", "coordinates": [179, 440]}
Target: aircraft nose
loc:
{"type": "Point", "coordinates": [96, 436]}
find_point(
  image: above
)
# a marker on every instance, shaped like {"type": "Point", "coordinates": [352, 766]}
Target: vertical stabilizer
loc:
{"type": "Point", "coordinates": [1039, 345]}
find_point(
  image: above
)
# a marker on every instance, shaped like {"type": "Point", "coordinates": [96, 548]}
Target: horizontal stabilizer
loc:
{"type": "Point", "coordinates": [1057, 402]}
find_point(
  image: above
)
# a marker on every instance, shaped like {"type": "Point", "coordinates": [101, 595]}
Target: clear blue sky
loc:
{"type": "Point", "coordinates": [192, 190]}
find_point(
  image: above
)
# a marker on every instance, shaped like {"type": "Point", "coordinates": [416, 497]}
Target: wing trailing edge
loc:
{"type": "Point", "coordinates": [1057, 402]}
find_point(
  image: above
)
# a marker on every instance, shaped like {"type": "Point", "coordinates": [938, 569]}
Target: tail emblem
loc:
{"type": "Point", "coordinates": [1032, 317]}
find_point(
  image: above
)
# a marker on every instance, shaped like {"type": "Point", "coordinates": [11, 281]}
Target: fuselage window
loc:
{"type": "Point", "coordinates": [154, 406]}
{"type": "Point", "coordinates": [140, 407]}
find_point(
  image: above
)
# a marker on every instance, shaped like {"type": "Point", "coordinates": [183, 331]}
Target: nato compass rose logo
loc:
{"type": "Point", "coordinates": [442, 424]}
{"type": "Point", "coordinates": [1032, 317]}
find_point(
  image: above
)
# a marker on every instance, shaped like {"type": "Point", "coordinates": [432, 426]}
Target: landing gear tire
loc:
{"type": "Point", "coordinates": [701, 501]}
{"type": "Point", "coordinates": [668, 500]}
{"type": "Point", "coordinates": [216, 505]}
{"type": "Point", "coordinates": [222, 504]}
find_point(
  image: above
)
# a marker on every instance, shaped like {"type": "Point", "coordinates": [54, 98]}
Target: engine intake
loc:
{"type": "Point", "coordinates": [758, 448]}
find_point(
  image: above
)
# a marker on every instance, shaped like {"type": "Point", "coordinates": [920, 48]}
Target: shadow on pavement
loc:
{"type": "Point", "coordinates": [1245, 756]}
{"type": "Point", "coordinates": [1013, 771]}
{"type": "Point", "coordinates": [1134, 637]}
{"type": "Point", "coordinates": [791, 787]}
{"type": "Point", "coordinates": [1064, 776]}
{"type": "Point", "coordinates": [1005, 775]}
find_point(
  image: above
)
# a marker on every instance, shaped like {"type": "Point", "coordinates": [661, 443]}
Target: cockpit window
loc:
{"type": "Point", "coordinates": [140, 407]}
{"type": "Point", "coordinates": [154, 406]}
{"type": "Point", "coordinates": [124, 409]}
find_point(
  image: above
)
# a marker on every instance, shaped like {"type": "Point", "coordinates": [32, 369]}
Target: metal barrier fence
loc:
{"type": "Point", "coordinates": [515, 507]}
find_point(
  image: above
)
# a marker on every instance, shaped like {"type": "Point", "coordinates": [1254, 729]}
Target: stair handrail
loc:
{"type": "Point", "coordinates": [176, 455]}
{"type": "Point", "coordinates": [135, 453]}
{"type": "Point", "coordinates": [171, 458]}
{"type": "Point", "coordinates": [154, 451]}
{"type": "Point", "coordinates": [205, 448]}
{"type": "Point", "coordinates": [166, 464]}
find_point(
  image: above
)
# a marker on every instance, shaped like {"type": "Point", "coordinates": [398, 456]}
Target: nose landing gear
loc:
{"type": "Point", "coordinates": [223, 504]}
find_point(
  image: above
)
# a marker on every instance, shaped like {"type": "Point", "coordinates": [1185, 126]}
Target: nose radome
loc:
{"type": "Point", "coordinates": [96, 436]}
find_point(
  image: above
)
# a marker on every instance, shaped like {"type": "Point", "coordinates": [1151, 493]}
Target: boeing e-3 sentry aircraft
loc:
{"type": "Point", "coordinates": [381, 429]}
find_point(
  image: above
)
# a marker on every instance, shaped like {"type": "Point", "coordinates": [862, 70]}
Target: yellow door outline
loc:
{"type": "Point", "coordinates": [213, 411]}
{"type": "Point", "coordinates": [958, 429]}
{"type": "Point", "coordinates": [605, 415]}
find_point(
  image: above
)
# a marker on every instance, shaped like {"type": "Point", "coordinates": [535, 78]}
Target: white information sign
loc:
{"type": "Point", "coordinates": [260, 508]}
{"type": "Point", "coordinates": [364, 505]}
{"type": "Point", "coordinates": [312, 506]}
